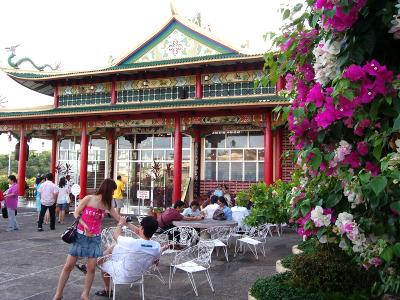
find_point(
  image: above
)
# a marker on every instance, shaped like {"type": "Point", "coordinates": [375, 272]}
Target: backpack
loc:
{"type": "Point", "coordinates": [219, 215]}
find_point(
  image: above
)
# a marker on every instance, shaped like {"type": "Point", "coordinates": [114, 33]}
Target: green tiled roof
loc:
{"type": "Point", "coordinates": [147, 105]}
{"type": "Point", "coordinates": [135, 65]}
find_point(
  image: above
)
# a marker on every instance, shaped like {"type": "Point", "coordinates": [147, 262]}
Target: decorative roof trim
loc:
{"type": "Point", "coordinates": [180, 21]}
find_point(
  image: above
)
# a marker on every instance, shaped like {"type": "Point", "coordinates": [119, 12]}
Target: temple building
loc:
{"type": "Point", "coordinates": [177, 115]}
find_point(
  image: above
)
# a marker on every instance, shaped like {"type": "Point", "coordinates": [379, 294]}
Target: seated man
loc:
{"type": "Point", "coordinates": [126, 247]}
{"type": "Point", "coordinates": [193, 210]}
{"type": "Point", "coordinates": [174, 214]}
{"type": "Point", "coordinates": [209, 210]}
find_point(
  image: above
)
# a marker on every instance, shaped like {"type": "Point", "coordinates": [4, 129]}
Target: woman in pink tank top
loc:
{"type": "Point", "coordinates": [91, 211]}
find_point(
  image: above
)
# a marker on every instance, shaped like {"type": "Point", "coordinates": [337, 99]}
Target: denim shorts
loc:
{"type": "Point", "coordinates": [62, 206]}
{"type": "Point", "coordinates": [85, 246]}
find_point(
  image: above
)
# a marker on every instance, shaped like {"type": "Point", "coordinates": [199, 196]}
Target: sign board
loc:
{"type": "Point", "coordinates": [76, 189]}
{"type": "Point", "coordinates": [185, 188]}
{"type": "Point", "coordinates": [143, 194]}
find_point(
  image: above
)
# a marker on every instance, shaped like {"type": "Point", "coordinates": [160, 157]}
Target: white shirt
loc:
{"type": "Point", "coordinates": [209, 210]}
{"type": "Point", "coordinates": [48, 191]}
{"type": "Point", "coordinates": [239, 213]}
{"type": "Point", "coordinates": [63, 195]}
{"type": "Point", "coordinates": [130, 255]}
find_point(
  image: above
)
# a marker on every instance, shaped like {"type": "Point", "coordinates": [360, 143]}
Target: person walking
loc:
{"type": "Point", "coordinates": [11, 202]}
{"type": "Point", "coordinates": [91, 211]}
{"type": "Point", "coordinates": [39, 181]}
{"type": "Point", "coordinates": [62, 199]}
{"type": "Point", "coordinates": [118, 194]}
{"type": "Point", "coordinates": [48, 196]}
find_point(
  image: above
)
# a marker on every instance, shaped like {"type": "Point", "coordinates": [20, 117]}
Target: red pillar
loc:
{"type": "Point", "coordinates": [176, 195]}
{"type": "Point", "coordinates": [56, 98]}
{"type": "Point", "coordinates": [280, 84]}
{"type": "Point", "coordinates": [111, 151]}
{"type": "Point", "coordinates": [113, 94]}
{"type": "Point", "coordinates": [278, 154]}
{"type": "Point", "coordinates": [53, 158]}
{"type": "Point", "coordinates": [197, 163]}
{"type": "Point", "coordinates": [22, 162]}
{"type": "Point", "coordinates": [84, 160]}
{"type": "Point", "coordinates": [199, 88]}
{"type": "Point", "coordinates": [268, 149]}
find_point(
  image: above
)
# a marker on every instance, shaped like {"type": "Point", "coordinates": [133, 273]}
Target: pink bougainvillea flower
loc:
{"type": "Point", "coordinates": [325, 118]}
{"type": "Point", "coordinates": [354, 73]}
{"type": "Point", "coordinates": [376, 261]}
{"type": "Point", "coordinates": [308, 71]}
{"type": "Point", "coordinates": [373, 168]}
{"type": "Point", "coordinates": [361, 126]}
{"type": "Point", "coordinates": [285, 46]}
{"type": "Point", "coordinates": [316, 95]}
{"type": "Point", "coordinates": [290, 80]}
{"type": "Point", "coordinates": [362, 148]}
{"type": "Point", "coordinates": [345, 108]}
{"type": "Point", "coordinates": [353, 160]}
{"type": "Point", "coordinates": [348, 122]}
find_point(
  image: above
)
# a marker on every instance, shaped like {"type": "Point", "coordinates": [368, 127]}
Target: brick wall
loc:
{"type": "Point", "coordinates": [287, 162]}
{"type": "Point", "coordinates": [233, 186]}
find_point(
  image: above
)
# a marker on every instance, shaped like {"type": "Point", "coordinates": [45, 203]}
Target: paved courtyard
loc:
{"type": "Point", "coordinates": [31, 261]}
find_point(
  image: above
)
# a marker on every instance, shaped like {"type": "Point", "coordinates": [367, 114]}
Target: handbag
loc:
{"type": "Point", "coordinates": [69, 236]}
{"type": "Point", "coordinates": [4, 212]}
{"type": "Point", "coordinates": [219, 215]}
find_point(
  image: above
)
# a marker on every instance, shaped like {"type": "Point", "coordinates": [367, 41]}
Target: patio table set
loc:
{"type": "Point", "coordinates": [190, 245]}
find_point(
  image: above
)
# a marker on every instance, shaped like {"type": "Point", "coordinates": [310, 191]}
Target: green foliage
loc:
{"type": "Point", "coordinates": [287, 261]}
{"type": "Point", "coordinates": [3, 183]}
{"type": "Point", "coordinates": [243, 198]}
{"type": "Point", "coordinates": [270, 203]}
{"type": "Point", "coordinates": [278, 288]}
{"type": "Point", "coordinates": [38, 163]}
{"type": "Point", "coordinates": [308, 246]}
{"type": "Point", "coordinates": [330, 271]}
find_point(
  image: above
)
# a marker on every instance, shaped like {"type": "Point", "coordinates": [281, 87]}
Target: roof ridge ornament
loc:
{"type": "Point", "coordinates": [174, 11]}
{"type": "Point", "coordinates": [27, 59]}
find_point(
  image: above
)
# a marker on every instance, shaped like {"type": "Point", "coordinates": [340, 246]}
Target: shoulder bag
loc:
{"type": "Point", "coordinates": [219, 215]}
{"type": "Point", "coordinates": [69, 236]}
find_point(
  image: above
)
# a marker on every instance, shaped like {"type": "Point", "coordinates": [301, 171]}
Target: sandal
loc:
{"type": "Point", "coordinates": [81, 268]}
{"type": "Point", "coordinates": [103, 293]}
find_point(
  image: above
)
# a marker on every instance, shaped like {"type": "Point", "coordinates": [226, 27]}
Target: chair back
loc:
{"type": "Point", "coordinates": [107, 235]}
{"type": "Point", "coordinates": [199, 254]}
{"type": "Point", "coordinates": [222, 233]}
{"type": "Point", "coordinates": [183, 236]}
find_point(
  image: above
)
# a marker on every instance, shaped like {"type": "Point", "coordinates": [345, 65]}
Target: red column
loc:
{"type": "Point", "coordinates": [278, 154]}
{"type": "Point", "coordinates": [199, 88]}
{"type": "Point", "coordinates": [111, 151]}
{"type": "Point", "coordinates": [197, 163]}
{"type": "Point", "coordinates": [280, 84]}
{"type": "Point", "coordinates": [53, 159]}
{"type": "Point", "coordinates": [56, 98]}
{"type": "Point", "coordinates": [176, 195]}
{"type": "Point", "coordinates": [84, 160]}
{"type": "Point", "coordinates": [268, 150]}
{"type": "Point", "coordinates": [113, 94]}
{"type": "Point", "coordinates": [22, 162]}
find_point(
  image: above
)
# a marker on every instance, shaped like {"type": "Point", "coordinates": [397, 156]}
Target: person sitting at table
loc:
{"type": "Point", "coordinates": [218, 191]}
{"type": "Point", "coordinates": [149, 250]}
{"type": "Point", "coordinates": [224, 206]}
{"type": "Point", "coordinates": [209, 210]}
{"type": "Point", "coordinates": [210, 199]}
{"type": "Point", "coordinates": [227, 195]}
{"type": "Point", "coordinates": [174, 214]}
{"type": "Point", "coordinates": [193, 210]}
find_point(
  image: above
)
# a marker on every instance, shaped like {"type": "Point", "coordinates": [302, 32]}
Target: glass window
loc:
{"type": "Point", "coordinates": [123, 143]}
{"type": "Point", "coordinates": [223, 171]}
{"type": "Point", "coordinates": [185, 154]}
{"type": "Point", "coordinates": [223, 154]}
{"type": "Point", "coordinates": [123, 154]}
{"type": "Point", "coordinates": [250, 171]}
{"type": "Point", "coordinates": [211, 154]}
{"type": "Point", "coordinates": [186, 140]}
{"type": "Point", "coordinates": [144, 141]}
{"type": "Point", "coordinates": [158, 154]}
{"type": "Point", "coordinates": [170, 154]}
{"type": "Point", "coordinates": [215, 141]}
{"type": "Point", "coordinates": [256, 139]}
{"type": "Point", "coordinates": [162, 141]}
{"type": "Point", "coordinates": [237, 154]}
{"type": "Point", "coordinates": [260, 171]}
{"type": "Point", "coordinates": [146, 155]}
{"type": "Point", "coordinates": [210, 172]}
{"type": "Point", "coordinates": [236, 171]}
{"type": "Point", "coordinates": [261, 155]}
{"type": "Point", "coordinates": [250, 154]}
{"type": "Point", "coordinates": [236, 140]}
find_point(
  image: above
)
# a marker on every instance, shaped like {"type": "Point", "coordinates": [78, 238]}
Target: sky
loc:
{"type": "Point", "coordinates": [83, 35]}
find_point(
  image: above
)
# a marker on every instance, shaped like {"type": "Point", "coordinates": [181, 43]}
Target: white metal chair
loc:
{"type": "Point", "coordinates": [192, 260]}
{"type": "Point", "coordinates": [179, 238]}
{"type": "Point", "coordinates": [256, 237]}
{"type": "Point", "coordinates": [220, 236]}
{"type": "Point", "coordinates": [129, 268]}
{"type": "Point", "coordinates": [107, 239]}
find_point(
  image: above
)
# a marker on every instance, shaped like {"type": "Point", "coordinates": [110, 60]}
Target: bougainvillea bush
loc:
{"type": "Point", "coordinates": [340, 60]}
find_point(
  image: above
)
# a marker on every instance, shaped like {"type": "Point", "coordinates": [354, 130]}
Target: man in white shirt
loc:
{"type": "Point", "coordinates": [209, 210]}
{"type": "Point", "coordinates": [130, 252]}
{"type": "Point", "coordinates": [48, 196]}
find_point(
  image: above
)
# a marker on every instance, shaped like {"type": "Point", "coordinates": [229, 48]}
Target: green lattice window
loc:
{"type": "Point", "coordinates": [156, 94]}
{"type": "Point", "coordinates": [235, 89]}
{"type": "Point", "coordinates": [85, 99]}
